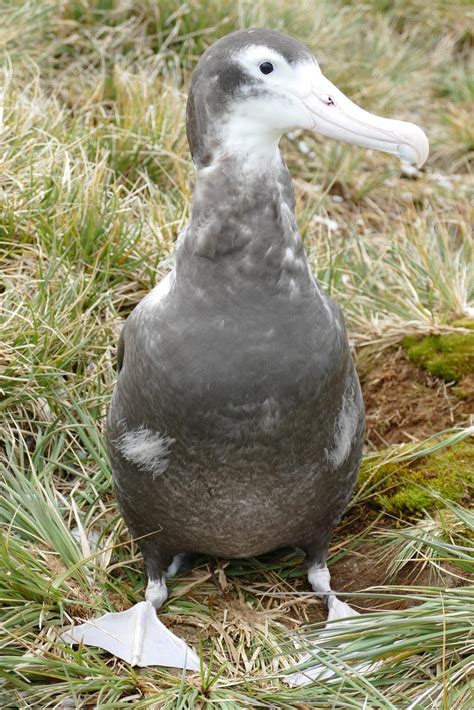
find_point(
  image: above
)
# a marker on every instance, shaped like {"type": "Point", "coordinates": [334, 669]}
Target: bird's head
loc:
{"type": "Point", "coordinates": [252, 86]}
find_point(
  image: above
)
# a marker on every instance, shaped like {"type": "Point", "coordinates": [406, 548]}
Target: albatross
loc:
{"type": "Point", "coordinates": [237, 421]}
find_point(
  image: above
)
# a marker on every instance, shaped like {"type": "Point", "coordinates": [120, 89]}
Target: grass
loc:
{"type": "Point", "coordinates": [95, 186]}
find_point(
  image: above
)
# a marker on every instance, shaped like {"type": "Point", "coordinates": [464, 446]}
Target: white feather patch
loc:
{"type": "Point", "coordinates": [147, 449]}
{"type": "Point", "coordinates": [158, 293]}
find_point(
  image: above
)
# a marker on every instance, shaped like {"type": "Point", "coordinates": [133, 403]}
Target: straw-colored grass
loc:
{"type": "Point", "coordinates": [95, 185]}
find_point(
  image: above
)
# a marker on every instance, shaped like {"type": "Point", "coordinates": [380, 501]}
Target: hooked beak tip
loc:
{"type": "Point", "coordinates": [416, 149]}
{"type": "Point", "coordinates": [336, 116]}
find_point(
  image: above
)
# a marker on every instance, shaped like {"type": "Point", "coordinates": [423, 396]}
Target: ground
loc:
{"type": "Point", "coordinates": [407, 403]}
{"type": "Point", "coordinates": [95, 186]}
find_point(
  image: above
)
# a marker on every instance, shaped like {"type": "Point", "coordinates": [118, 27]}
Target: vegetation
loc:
{"type": "Point", "coordinates": [448, 356]}
{"type": "Point", "coordinates": [415, 485]}
{"type": "Point", "coordinates": [95, 186]}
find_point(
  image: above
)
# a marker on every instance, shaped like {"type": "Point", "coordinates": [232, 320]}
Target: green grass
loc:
{"type": "Point", "coordinates": [95, 186]}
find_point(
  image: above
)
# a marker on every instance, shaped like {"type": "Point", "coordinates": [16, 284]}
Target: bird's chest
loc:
{"type": "Point", "coordinates": [240, 373]}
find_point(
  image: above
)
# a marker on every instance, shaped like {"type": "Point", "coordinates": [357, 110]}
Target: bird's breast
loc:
{"type": "Point", "coordinates": [248, 373]}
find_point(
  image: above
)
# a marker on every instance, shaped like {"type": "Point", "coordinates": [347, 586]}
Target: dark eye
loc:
{"type": "Point", "coordinates": [266, 67]}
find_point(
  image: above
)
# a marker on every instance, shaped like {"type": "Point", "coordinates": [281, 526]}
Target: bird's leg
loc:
{"type": "Point", "coordinates": [181, 563]}
{"type": "Point", "coordinates": [157, 563]}
{"type": "Point", "coordinates": [156, 591]}
{"type": "Point", "coordinates": [320, 580]}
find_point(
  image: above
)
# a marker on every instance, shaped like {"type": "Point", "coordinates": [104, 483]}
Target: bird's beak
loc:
{"type": "Point", "coordinates": [336, 116]}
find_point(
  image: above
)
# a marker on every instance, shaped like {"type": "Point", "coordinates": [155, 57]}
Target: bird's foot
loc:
{"type": "Point", "coordinates": [136, 636]}
{"type": "Point", "coordinates": [339, 610]}
{"type": "Point", "coordinates": [320, 580]}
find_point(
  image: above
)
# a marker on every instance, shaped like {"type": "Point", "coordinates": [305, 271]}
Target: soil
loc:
{"type": "Point", "coordinates": [405, 403]}
{"type": "Point", "coordinates": [366, 569]}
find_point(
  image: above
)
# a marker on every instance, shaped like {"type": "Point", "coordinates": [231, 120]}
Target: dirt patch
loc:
{"type": "Point", "coordinates": [366, 569]}
{"type": "Point", "coordinates": [405, 403]}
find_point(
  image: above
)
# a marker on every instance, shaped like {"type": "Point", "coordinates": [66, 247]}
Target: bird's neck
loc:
{"type": "Point", "coordinates": [243, 226]}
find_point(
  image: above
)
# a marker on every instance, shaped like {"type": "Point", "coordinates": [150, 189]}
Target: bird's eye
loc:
{"type": "Point", "coordinates": [266, 67]}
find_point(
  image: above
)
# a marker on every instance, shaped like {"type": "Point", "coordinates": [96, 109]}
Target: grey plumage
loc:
{"type": "Point", "coordinates": [236, 423]}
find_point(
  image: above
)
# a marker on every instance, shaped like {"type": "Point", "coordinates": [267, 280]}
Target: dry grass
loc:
{"type": "Point", "coordinates": [94, 188]}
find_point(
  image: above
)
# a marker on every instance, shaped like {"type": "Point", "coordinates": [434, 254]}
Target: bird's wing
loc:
{"type": "Point", "coordinates": [121, 349]}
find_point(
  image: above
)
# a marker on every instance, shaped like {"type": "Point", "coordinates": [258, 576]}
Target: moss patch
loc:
{"type": "Point", "coordinates": [448, 356]}
{"type": "Point", "coordinates": [405, 489]}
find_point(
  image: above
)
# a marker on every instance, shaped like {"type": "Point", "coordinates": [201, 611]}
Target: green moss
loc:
{"type": "Point", "coordinates": [406, 489]}
{"type": "Point", "coordinates": [448, 356]}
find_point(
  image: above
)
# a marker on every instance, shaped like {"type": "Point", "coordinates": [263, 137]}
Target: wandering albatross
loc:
{"type": "Point", "coordinates": [237, 421]}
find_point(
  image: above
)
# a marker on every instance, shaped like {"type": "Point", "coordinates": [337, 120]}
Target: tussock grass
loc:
{"type": "Point", "coordinates": [94, 188]}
